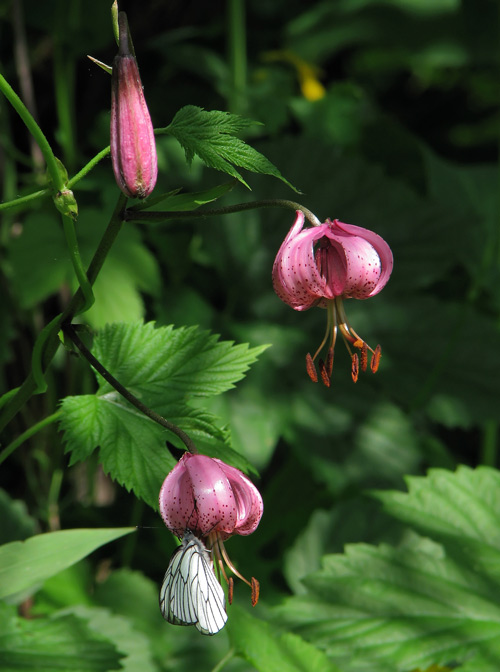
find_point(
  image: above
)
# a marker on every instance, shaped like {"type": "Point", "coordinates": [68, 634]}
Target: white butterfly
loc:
{"type": "Point", "coordinates": [190, 593]}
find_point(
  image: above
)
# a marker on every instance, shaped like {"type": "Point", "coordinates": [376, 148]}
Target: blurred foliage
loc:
{"type": "Point", "coordinates": [384, 114]}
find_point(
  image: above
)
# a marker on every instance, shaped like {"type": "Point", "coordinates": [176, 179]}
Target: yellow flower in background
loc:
{"type": "Point", "coordinates": [307, 73]}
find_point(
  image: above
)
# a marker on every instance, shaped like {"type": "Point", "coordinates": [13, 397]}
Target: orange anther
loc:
{"type": "Point", "coordinates": [376, 359]}
{"type": "Point", "coordinates": [355, 367]}
{"type": "Point", "coordinates": [255, 591]}
{"type": "Point", "coordinates": [324, 373]}
{"type": "Point", "coordinates": [329, 362]}
{"type": "Point", "coordinates": [364, 357]}
{"type": "Point", "coordinates": [230, 586]}
{"type": "Point", "coordinates": [311, 369]}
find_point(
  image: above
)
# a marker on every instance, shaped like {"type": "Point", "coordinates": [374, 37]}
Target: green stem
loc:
{"type": "Point", "coordinates": [69, 330]}
{"type": "Point", "coordinates": [88, 167]}
{"type": "Point", "coordinates": [25, 200]}
{"type": "Point", "coordinates": [222, 662]}
{"type": "Point", "coordinates": [134, 216]}
{"type": "Point", "coordinates": [38, 352]}
{"type": "Point", "coordinates": [28, 388]}
{"type": "Point", "coordinates": [8, 450]}
{"type": "Point", "coordinates": [76, 260]}
{"type": "Point", "coordinates": [36, 132]}
{"type": "Point", "coordinates": [237, 55]}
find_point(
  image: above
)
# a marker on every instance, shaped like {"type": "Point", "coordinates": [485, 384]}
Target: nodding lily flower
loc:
{"type": "Point", "coordinates": [214, 501]}
{"type": "Point", "coordinates": [323, 265]}
{"type": "Point", "coordinates": [132, 140]}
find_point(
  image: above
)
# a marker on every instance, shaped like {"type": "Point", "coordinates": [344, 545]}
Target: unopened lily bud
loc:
{"type": "Point", "coordinates": [133, 148]}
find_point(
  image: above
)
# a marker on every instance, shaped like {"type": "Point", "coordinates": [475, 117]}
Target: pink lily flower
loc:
{"type": "Point", "coordinates": [132, 140]}
{"type": "Point", "coordinates": [323, 265]}
{"type": "Point", "coordinates": [214, 501]}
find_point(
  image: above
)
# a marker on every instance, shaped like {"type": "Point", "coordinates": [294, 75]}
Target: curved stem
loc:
{"type": "Point", "coordinates": [76, 260]}
{"type": "Point", "coordinates": [8, 450]}
{"type": "Point", "coordinates": [69, 330]}
{"type": "Point", "coordinates": [134, 216]}
{"type": "Point", "coordinates": [222, 662]}
{"type": "Point", "coordinates": [42, 193]}
{"type": "Point", "coordinates": [36, 132]}
{"type": "Point", "coordinates": [88, 167]}
{"type": "Point", "coordinates": [27, 389]}
{"type": "Point", "coordinates": [38, 351]}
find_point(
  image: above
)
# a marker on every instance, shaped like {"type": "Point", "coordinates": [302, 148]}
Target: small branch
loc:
{"type": "Point", "coordinates": [133, 216]}
{"type": "Point", "coordinates": [69, 330]}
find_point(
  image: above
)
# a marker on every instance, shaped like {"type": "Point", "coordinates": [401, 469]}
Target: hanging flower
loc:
{"type": "Point", "coordinates": [132, 140]}
{"type": "Point", "coordinates": [323, 265]}
{"type": "Point", "coordinates": [214, 501]}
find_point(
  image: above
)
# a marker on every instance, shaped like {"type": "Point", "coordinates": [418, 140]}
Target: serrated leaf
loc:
{"type": "Point", "coordinates": [62, 643]}
{"type": "Point", "coordinates": [459, 508]}
{"type": "Point", "coordinates": [210, 135]}
{"type": "Point", "coordinates": [425, 602]}
{"type": "Point", "coordinates": [265, 649]}
{"type": "Point", "coordinates": [164, 368]}
{"type": "Point", "coordinates": [402, 608]}
{"type": "Point", "coordinates": [25, 564]}
{"type": "Point", "coordinates": [122, 633]}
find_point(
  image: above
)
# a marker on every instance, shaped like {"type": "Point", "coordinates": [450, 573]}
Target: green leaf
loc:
{"type": "Point", "coordinates": [425, 602]}
{"type": "Point", "coordinates": [210, 135]}
{"type": "Point", "coordinates": [25, 564]}
{"type": "Point", "coordinates": [164, 368]}
{"type": "Point", "coordinates": [124, 635]}
{"type": "Point", "coordinates": [461, 509]}
{"type": "Point", "coordinates": [41, 266]}
{"type": "Point", "coordinates": [16, 522]}
{"type": "Point", "coordinates": [174, 201]}
{"type": "Point", "coordinates": [62, 643]}
{"type": "Point", "coordinates": [262, 646]}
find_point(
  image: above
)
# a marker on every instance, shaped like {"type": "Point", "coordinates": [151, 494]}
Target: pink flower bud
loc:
{"type": "Point", "coordinates": [133, 148]}
{"type": "Point", "coordinates": [321, 266]}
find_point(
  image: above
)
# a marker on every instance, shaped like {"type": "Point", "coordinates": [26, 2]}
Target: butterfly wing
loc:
{"type": "Point", "coordinates": [190, 593]}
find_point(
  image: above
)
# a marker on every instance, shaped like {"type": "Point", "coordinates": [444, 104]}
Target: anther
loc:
{"type": "Point", "coordinates": [325, 378]}
{"type": "Point", "coordinates": [329, 362]}
{"type": "Point", "coordinates": [311, 369]}
{"type": "Point", "coordinates": [355, 367]}
{"type": "Point", "coordinates": [230, 586]}
{"type": "Point", "coordinates": [255, 591]}
{"type": "Point", "coordinates": [364, 357]}
{"type": "Point", "coordinates": [376, 359]}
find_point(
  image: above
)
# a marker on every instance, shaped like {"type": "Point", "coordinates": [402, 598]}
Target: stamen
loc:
{"type": "Point", "coordinates": [324, 373]}
{"type": "Point", "coordinates": [364, 356]}
{"type": "Point", "coordinates": [230, 564]}
{"type": "Point", "coordinates": [255, 591]}
{"type": "Point", "coordinates": [311, 369]}
{"type": "Point", "coordinates": [329, 362]}
{"type": "Point", "coordinates": [376, 359]}
{"type": "Point", "coordinates": [330, 322]}
{"type": "Point", "coordinates": [230, 586]}
{"type": "Point", "coordinates": [355, 367]}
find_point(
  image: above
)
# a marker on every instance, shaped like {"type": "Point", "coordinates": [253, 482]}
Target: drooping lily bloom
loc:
{"type": "Point", "coordinates": [214, 501]}
{"type": "Point", "coordinates": [323, 265]}
{"type": "Point", "coordinates": [132, 140]}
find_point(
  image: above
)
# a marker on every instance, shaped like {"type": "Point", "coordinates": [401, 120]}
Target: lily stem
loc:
{"type": "Point", "coordinates": [135, 216]}
{"type": "Point", "coordinates": [70, 331]}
